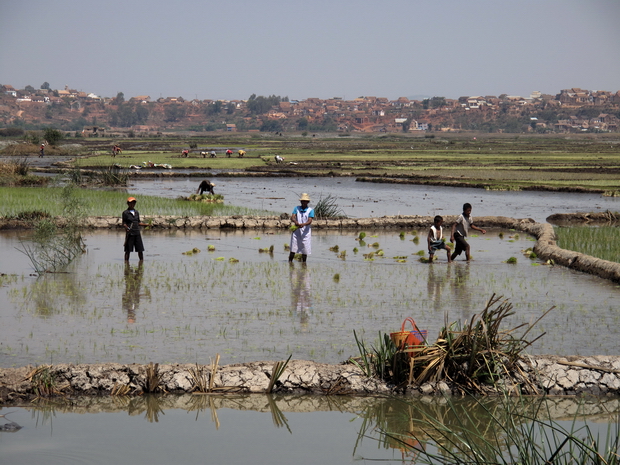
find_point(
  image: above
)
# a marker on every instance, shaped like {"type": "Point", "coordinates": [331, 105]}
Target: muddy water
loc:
{"type": "Point", "coordinates": [361, 199]}
{"type": "Point", "coordinates": [188, 308]}
{"type": "Point", "coordinates": [262, 429]}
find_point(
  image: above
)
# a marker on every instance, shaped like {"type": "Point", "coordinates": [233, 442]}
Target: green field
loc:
{"type": "Point", "coordinates": [490, 161]}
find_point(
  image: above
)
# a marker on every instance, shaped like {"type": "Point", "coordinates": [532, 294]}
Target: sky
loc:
{"type": "Point", "coordinates": [231, 49]}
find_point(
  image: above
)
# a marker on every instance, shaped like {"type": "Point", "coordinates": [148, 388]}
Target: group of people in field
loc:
{"type": "Point", "coordinates": [301, 236]}
{"type": "Point", "coordinates": [213, 153]}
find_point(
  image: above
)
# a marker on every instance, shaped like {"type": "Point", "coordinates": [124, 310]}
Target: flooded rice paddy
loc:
{"type": "Point", "coordinates": [364, 199]}
{"type": "Point", "coordinates": [248, 305]}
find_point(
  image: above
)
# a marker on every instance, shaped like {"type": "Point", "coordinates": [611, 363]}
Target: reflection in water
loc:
{"type": "Point", "coordinates": [58, 293]}
{"type": "Point", "coordinates": [301, 300]}
{"type": "Point", "coordinates": [488, 424]}
{"type": "Point", "coordinates": [131, 294]}
{"type": "Point", "coordinates": [402, 427]}
{"type": "Point", "coordinates": [462, 291]}
{"type": "Point", "coordinates": [438, 277]}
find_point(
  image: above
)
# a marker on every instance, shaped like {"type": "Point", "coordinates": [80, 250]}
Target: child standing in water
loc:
{"type": "Point", "coordinates": [460, 230]}
{"type": "Point", "coordinates": [435, 240]}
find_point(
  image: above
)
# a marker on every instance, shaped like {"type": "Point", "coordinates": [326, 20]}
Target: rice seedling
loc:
{"type": "Point", "coordinates": [211, 248]}
{"type": "Point", "coordinates": [511, 260]}
{"type": "Point", "coordinates": [598, 241]}
{"type": "Point", "coordinates": [336, 277]}
{"type": "Point", "coordinates": [361, 236]}
{"type": "Point", "coordinates": [416, 240]}
{"type": "Point", "coordinates": [192, 252]}
{"type": "Point", "coordinates": [402, 235]}
{"type": "Point", "coordinates": [343, 255]}
{"type": "Point", "coordinates": [334, 248]}
{"type": "Point", "coordinates": [375, 245]}
{"type": "Point", "coordinates": [355, 250]}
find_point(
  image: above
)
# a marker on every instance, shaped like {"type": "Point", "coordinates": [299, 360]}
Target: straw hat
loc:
{"type": "Point", "coordinates": [305, 196]}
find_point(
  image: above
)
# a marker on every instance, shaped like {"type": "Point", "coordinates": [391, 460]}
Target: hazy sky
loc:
{"type": "Point", "coordinates": [230, 49]}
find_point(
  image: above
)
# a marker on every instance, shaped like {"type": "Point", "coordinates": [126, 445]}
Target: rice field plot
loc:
{"type": "Point", "coordinates": [598, 241]}
{"type": "Point", "coordinates": [197, 295]}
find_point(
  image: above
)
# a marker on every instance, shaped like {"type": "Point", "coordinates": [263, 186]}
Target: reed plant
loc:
{"type": "Point", "coordinates": [598, 241]}
{"type": "Point", "coordinates": [52, 247]}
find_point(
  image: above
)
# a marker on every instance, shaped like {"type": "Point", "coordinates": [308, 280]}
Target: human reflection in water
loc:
{"type": "Point", "coordinates": [300, 291]}
{"type": "Point", "coordinates": [131, 294]}
{"type": "Point", "coordinates": [438, 277]}
{"type": "Point", "coordinates": [462, 290]}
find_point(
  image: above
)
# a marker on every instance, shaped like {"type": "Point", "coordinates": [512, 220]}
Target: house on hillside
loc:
{"type": "Point", "coordinates": [9, 90]}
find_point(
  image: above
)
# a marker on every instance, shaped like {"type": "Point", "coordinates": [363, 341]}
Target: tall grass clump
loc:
{"type": "Point", "coordinates": [326, 207]}
{"type": "Point", "coordinates": [473, 358]}
{"type": "Point", "coordinates": [598, 241]}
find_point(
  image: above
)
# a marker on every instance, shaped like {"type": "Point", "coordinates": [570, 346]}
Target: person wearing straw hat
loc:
{"type": "Point", "coordinates": [206, 186]}
{"type": "Point", "coordinates": [302, 231]}
{"type": "Point", "coordinates": [131, 223]}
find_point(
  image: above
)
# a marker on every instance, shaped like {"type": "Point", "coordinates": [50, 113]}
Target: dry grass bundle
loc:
{"type": "Point", "coordinates": [152, 381]}
{"type": "Point", "coordinates": [476, 355]}
{"type": "Point", "coordinates": [43, 382]}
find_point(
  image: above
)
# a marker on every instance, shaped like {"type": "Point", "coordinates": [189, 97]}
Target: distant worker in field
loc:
{"type": "Point", "coordinates": [185, 153]}
{"type": "Point", "coordinates": [435, 240]}
{"type": "Point", "coordinates": [460, 230]}
{"type": "Point", "coordinates": [229, 153]}
{"type": "Point", "coordinates": [131, 223]}
{"type": "Point", "coordinates": [301, 238]}
{"type": "Point", "coordinates": [116, 150]}
{"type": "Point", "coordinates": [241, 153]}
{"type": "Point", "coordinates": [279, 159]}
{"type": "Point", "coordinates": [42, 151]}
{"type": "Point", "coordinates": [206, 186]}
{"type": "Point", "coordinates": [212, 154]}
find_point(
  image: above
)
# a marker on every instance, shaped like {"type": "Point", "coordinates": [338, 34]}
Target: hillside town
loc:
{"type": "Point", "coordinates": [569, 111]}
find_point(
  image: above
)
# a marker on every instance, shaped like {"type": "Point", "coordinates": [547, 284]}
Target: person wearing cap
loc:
{"type": "Point", "coordinates": [131, 223]}
{"type": "Point", "coordinates": [302, 234]}
{"type": "Point", "coordinates": [206, 186]}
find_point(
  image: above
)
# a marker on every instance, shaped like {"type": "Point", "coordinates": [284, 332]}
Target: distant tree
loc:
{"type": "Point", "coordinates": [30, 89]}
{"type": "Point", "coordinates": [173, 112]}
{"type": "Point", "coordinates": [437, 102]}
{"type": "Point", "coordinates": [271, 125]}
{"type": "Point", "coordinates": [53, 136]}
{"type": "Point", "coordinates": [120, 98]}
{"type": "Point", "coordinates": [45, 85]}
{"type": "Point", "coordinates": [129, 114]}
{"type": "Point", "coordinates": [214, 108]}
{"type": "Point", "coordinates": [302, 124]}
{"type": "Point", "coordinates": [260, 105]}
